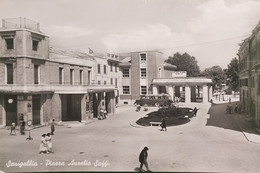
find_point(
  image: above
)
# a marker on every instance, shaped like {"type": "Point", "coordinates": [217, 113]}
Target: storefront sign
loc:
{"type": "Point", "coordinates": [179, 74]}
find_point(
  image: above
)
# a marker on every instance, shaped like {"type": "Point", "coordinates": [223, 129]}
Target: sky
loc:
{"type": "Point", "coordinates": [209, 30]}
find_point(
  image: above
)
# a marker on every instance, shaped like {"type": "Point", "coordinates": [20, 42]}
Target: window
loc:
{"type": "Point", "coordinates": [99, 82]}
{"type": "Point", "coordinates": [60, 75]}
{"type": "Point", "coordinates": [126, 90]}
{"type": "Point", "coordinates": [36, 74]}
{"type": "Point", "coordinates": [143, 57]}
{"type": "Point", "coordinates": [99, 69]}
{"type": "Point", "coordinates": [9, 43]}
{"type": "Point", "coordinates": [125, 72]}
{"type": "Point", "coordinates": [111, 81]}
{"type": "Point", "coordinates": [116, 82]}
{"type": "Point", "coordinates": [89, 76]}
{"type": "Point", "coordinates": [80, 77]}
{"type": "Point", "coordinates": [143, 90]}
{"type": "Point", "coordinates": [143, 72]}
{"type": "Point", "coordinates": [115, 67]}
{"type": "Point", "coordinates": [71, 76]}
{"type": "Point", "coordinates": [35, 45]}
{"type": "Point", "coordinates": [105, 82]}
{"type": "Point", "coordinates": [111, 66]}
{"type": "Point", "coordinates": [105, 69]}
{"type": "Point", "coordinates": [253, 82]}
{"type": "Point", "coordinates": [9, 73]}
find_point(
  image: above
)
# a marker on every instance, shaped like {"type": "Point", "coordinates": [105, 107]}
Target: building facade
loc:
{"type": "Point", "coordinates": [41, 84]}
{"type": "Point", "coordinates": [249, 74]}
{"type": "Point", "coordinates": [147, 73]}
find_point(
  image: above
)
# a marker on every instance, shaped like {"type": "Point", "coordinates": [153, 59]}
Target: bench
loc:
{"type": "Point", "coordinates": [155, 123]}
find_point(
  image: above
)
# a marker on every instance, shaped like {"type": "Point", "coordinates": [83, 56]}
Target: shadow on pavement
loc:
{"type": "Point", "coordinates": [238, 122]}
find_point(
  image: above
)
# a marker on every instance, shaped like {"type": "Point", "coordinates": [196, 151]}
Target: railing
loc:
{"type": "Point", "coordinates": [57, 88]}
{"type": "Point", "coordinates": [14, 23]}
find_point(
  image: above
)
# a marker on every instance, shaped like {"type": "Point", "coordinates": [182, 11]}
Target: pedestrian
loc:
{"type": "Point", "coordinates": [195, 110]}
{"type": "Point", "coordinates": [13, 128]}
{"type": "Point", "coordinates": [143, 159]}
{"type": "Point", "coordinates": [230, 109]}
{"type": "Point", "coordinates": [22, 126]}
{"type": "Point", "coordinates": [43, 145]}
{"type": "Point", "coordinates": [163, 124]}
{"type": "Point", "coordinates": [105, 113]}
{"type": "Point", "coordinates": [229, 99]}
{"type": "Point", "coordinates": [49, 142]}
{"type": "Point", "coordinates": [236, 108]}
{"type": "Point", "coordinates": [52, 127]}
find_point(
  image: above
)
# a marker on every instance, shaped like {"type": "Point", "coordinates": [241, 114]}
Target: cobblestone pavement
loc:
{"type": "Point", "coordinates": [211, 142]}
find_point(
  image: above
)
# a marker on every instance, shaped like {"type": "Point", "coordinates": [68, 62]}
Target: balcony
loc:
{"type": "Point", "coordinates": [55, 88]}
{"type": "Point", "coordinates": [112, 57]}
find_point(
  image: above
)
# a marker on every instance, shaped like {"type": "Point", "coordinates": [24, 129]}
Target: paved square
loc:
{"type": "Point", "coordinates": [212, 141]}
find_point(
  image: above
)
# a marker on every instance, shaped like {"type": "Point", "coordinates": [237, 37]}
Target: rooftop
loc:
{"type": "Point", "coordinates": [20, 23]}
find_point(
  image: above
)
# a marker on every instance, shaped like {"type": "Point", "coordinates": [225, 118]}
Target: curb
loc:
{"type": "Point", "coordinates": [243, 131]}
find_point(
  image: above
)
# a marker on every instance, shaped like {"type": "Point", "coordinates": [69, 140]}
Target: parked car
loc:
{"type": "Point", "coordinates": [154, 100]}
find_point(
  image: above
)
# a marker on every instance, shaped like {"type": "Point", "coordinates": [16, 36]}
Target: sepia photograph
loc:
{"type": "Point", "coordinates": [130, 86]}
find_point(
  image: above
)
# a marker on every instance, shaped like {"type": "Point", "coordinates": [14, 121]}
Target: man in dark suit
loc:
{"type": "Point", "coordinates": [143, 159]}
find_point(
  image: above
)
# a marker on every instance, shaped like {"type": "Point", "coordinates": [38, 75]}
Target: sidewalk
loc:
{"type": "Point", "coordinates": [248, 127]}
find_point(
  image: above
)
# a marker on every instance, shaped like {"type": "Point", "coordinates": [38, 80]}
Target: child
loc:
{"type": "Point", "coordinates": [52, 127]}
{"type": "Point", "coordinates": [43, 146]}
{"type": "Point", "coordinates": [12, 128]}
{"type": "Point", "coordinates": [48, 142]}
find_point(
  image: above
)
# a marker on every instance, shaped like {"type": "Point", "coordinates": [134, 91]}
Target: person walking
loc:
{"type": "Point", "coordinates": [49, 143]}
{"type": "Point", "coordinates": [143, 159]}
{"type": "Point", "coordinates": [52, 127]}
{"type": "Point", "coordinates": [43, 145]}
{"type": "Point", "coordinates": [164, 124]}
{"type": "Point", "coordinates": [195, 110]}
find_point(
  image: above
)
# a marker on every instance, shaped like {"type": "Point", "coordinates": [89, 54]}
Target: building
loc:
{"type": "Point", "coordinates": [249, 74]}
{"type": "Point", "coordinates": [147, 72]}
{"type": "Point", "coordinates": [40, 83]}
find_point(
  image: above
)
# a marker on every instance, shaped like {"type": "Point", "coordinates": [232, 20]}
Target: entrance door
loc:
{"type": "Point", "coordinates": [71, 107]}
{"type": "Point", "coordinates": [11, 109]}
{"type": "Point", "coordinates": [36, 106]}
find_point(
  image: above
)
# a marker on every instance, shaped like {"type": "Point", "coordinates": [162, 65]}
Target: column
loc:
{"type": "Point", "coordinates": [187, 94]}
{"type": "Point", "coordinates": [210, 92]}
{"type": "Point", "coordinates": [171, 91]}
{"type": "Point", "coordinates": [155, 89]}
{"type": "Point", "coordinates": [205, 94]}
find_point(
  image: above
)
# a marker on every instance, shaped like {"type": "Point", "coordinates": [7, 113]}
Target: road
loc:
{"type": "Point", "coordinates": [210, 142]}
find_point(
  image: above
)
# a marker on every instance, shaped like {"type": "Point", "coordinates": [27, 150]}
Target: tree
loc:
{"type": "Point", "coordinates": [232, 75]}
{"type": "Point", "coordinates": [217, 74]}
{"type": "Point", "coordinates": [185, 62]}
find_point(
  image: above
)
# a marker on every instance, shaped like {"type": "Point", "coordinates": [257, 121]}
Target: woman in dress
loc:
{"type": "Point", "coordinates": [48, 142]}
{"type": "Point", "coordinates": [43, 146]}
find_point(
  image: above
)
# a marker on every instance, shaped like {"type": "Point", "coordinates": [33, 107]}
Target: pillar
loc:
{"type": "Point", "coordinates": [171, 91]}
{"type": "Point", "coordinates": [205, 94]}
{"type": "Point", "coordinates": [210, 92]}
{"type": "Point", "coordinates": [187, 94]}
{"type": "Point", "coordinates": [155, 89]}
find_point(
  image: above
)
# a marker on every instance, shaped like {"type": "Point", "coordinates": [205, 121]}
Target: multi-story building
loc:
{"type": "Point", "coordinates": [40, 84]}
{"type": "Point", "coordinates": [147, 72]}
{"type": "Point", "coordinates": [249, 74]}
